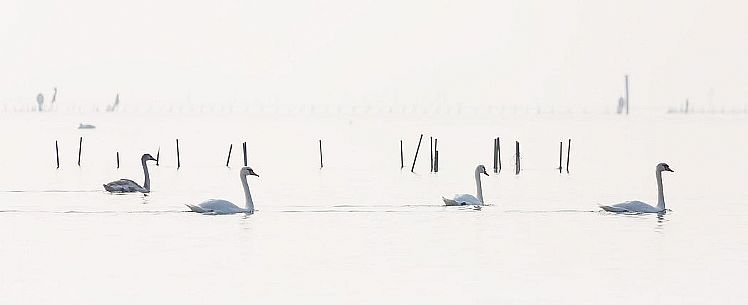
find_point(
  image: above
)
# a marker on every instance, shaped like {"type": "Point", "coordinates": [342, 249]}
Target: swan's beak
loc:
{"type": "Point", "coordinates": [485, 173]}
{"type": "Point", "coordinates": [669, 170]}
{"type": "Point", "coordinates": [253, 174]}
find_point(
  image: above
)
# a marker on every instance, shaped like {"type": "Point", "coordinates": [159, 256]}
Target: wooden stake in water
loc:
{"type": "Point", "coordinates": [498, 151]}
{"type": "Point", "coordinates": [179, 163]}
{"type": "Point", "coordinates": [568, 153]}
{"type": "Point", "coordinates": [560, 155]}
{"type": "Point", "coordinates": [158, 156]}
{"type": "Point", "coordinates": [436, 155]}
{"type": "Point", "coordinates": [436, 161]}
{"type": "Point", "coordinates": [117, 159]}
{"type": "Point", "coordinates": [402, 161]}
{"type": "Point", "coordinates": [415, 158]}
{"type": "Point", "coordinates": [57, 154]}
{"type": "Point", "coordinates": [80, 149]}
{"type": "Point", "coordinates": [517, 166]}
{"type": "Point", "coordinates": [320, 154]}
{"type": "Point", "coordinates": [231, 146]}
{"type": "Point", "coordinates": [431, 152]}
{"type": "Point", "coordinates": [495, 155]}
{"type": "Point", "coordinates": [244, 150]}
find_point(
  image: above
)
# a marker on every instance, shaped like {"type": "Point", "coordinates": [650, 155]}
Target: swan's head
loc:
{"type": "Point", "coordinates": [663, 167]}
{"type": "Point", "coordinates": [147, 157]}
{"type": "Point", "coordinates": [246, 171]}
{"type": "Point", "coordinates": [481, 170]}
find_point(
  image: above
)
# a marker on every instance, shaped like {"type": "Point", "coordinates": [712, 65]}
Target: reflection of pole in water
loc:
{"type": "Point", "coordinates": [627, 94]}
{"type": "Point", "coordinates": [54, 96]}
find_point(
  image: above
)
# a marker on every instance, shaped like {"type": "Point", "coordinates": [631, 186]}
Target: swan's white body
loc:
{"type": "Point", "coordinates": [222, 207]}
{"type": "Point", "coordinates": [129, 186]}
{"type": "Point", "coordinates": [641, 207]}
{"type": "Point", "coordinates": [468, 199]}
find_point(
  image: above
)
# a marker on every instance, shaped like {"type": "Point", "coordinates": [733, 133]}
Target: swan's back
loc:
{"type": "Point", "coordinates": [124, 186]}
{"type": "Point", "coordinates": [631, 206]}
{"type": "Point", "coordinates": [219, 206]}
{"type": "Point", "coordinates": [462, 199]}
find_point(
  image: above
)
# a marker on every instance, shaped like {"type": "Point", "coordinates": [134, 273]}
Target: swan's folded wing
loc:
{"type": "Point", "coordinates": [196, 209]}
{"type": "Point", "coordinates": [613, 209]}
{"type": "Point", "coordinates": [464, 199]}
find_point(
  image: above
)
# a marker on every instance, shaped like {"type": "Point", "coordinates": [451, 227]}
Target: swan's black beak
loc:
{"type": "Point", "coordinates": [485, 173]}
{"type": "Point", "coordinates": [669, 170]}
{"type": "Point", "coordinates": [253, 174]}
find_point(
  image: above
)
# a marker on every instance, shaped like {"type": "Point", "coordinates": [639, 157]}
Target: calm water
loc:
{"type": "Point", "coordinates": [361, 231]}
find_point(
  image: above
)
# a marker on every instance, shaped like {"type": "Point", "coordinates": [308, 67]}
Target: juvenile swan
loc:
{"type": "Point", "coordinates": [641, 207]}
{"type": "Point", "coordinates": [220, 206]}
{"type": "Point", "coordinates": [129, 186]}
{"type": "Point", "coordinates": [467, 199]}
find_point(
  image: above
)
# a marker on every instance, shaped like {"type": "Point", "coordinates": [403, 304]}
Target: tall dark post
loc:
{"type": "Point", "coordinates": [517, 166]}
{"type": "Point", "coordinates": [244, 150]}
{"type": "Point", "coordinates": [231, 146]}
{"type": "Point", "coordinates": [560, 155]}
{"type": "Point", "coordinates": [402, 161]}
{"type": "Point", "coordinates": [179, 163]}
{"type": "Point", "coordinates": [431, 153]}
{"type": "Point", "coordinates": [57, 154]}
{"type": "Point", "coordinates": [117, 159]}
{"type": "Point", "coordinates": [320, 154]}
{"type": "Point", "coordinates": [498, 151]}
{"type": "Point", "coordinates": [80, 149]}
{"type": "Point", "coordinates": [415, 158]}
{"type": "Point", "coordinates": [158, 156]}
{"type": "Point", "coordinates": [568, 154]}
{"type": "Point", "coordinates": [436, 155]}
{"type": "Point", "coordinates": [495, 156]}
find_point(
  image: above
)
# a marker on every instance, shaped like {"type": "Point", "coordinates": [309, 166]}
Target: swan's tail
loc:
{"type": "Point", "coordinates": [449, 202]}
{"type": "Point", "coordinates": [196, 209]}
{"type": "Point", "coordinates": [608, 208]}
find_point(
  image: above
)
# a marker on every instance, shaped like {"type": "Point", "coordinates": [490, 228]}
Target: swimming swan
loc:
{"type": "Point", "coordinates": [641, 207]}
{"type": "Point", "coordinates": [221, 207]}
{"type": "Point", "coordinates": [467, 199]}
{"type": "Point", "coordinates": [129, 186]}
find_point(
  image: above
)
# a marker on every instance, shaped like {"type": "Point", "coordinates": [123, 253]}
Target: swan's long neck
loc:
{"type": "Point", "coordinates": [478, 187]}
{"type": "Point", "coordinates": [147, 183]}
{"type": "Point", "coordinates": [250, 206]}
{"type": "Point", "coordinates": [660, 194]}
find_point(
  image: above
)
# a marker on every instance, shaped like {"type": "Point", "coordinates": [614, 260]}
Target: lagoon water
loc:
{"type": "Point", "coordinates": [363, 231]}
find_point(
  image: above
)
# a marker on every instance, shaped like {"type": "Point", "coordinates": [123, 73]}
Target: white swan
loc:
{"type": "Point", "coordinates": [220, 206]}
{"type": "Point", "coordinates": [129, 186]}
{"type": "Point", "coordinates": [467, 199]}
{"type": "Point", "coordinates": [641, 207]}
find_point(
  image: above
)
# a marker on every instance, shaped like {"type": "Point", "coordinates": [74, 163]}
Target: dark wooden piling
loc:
{"type": "Point", "coordinates": [158, 156]}
{"type": "Point", "coordinates": [498, 151]}
{"type": "Point", "coordinates": [517, 166]}
{"type": "Point", "coordinates": [495, 155]}
{"type": "Point", "coordinates": [568, 153]}
{"type": "Point", "coordinates": [320, 154]}
{"type": "Point", "coordinates": [231, 146]}
{"type": "Point", "coordinates": [436, 161]}
{"type": "Point", "coordinates": [436, 155]}
{"type": "Point", "coordinates": [57, 154]}
{"type": "Point", "coordinates": [431, 153]}
{"type": "Point", "coordinates": [244, 151]}
{"type": "Point", "coordinates": [415, 158]}
{"type": "Point", "coordinates": [117, 159]}
{"type": "Point", "coordinates": [560, 155]}
{"type": "Point", "coordinates": [179, 162]}
{"type": "Point", "coordinates": [80, 150]}
{"type": "Point", "coordinates": [402, 161]}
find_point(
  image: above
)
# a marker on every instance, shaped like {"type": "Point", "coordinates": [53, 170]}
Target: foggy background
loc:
{"type": "Point", "coordinates": [563, 54]}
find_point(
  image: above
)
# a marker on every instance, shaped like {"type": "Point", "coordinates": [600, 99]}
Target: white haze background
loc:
{"type": "Point", "coordinates": [546, 53]}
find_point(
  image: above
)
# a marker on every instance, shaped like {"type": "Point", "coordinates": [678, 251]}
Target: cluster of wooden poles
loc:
{"type": "Point", "coordinates": [433, 148]}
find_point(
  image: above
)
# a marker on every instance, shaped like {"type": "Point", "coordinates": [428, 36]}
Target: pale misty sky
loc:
{"type": "Point", "coordinates": [565, 53]}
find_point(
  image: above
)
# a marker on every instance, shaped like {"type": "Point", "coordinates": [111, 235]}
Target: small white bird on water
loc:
{"type": "Point", "coordinates": [129, 186]}
{"type": "Point", "coordinates": [467, 199]}
{"type": "Point", "coordinates": [222, 207]}
{"type": "Point", "coordinates": [641, 207]}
